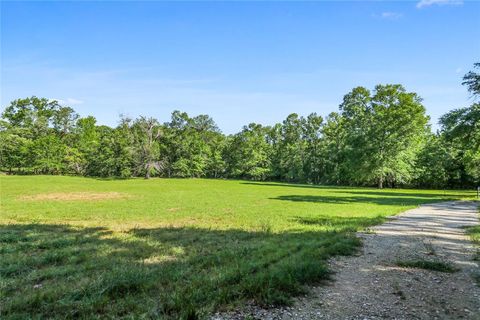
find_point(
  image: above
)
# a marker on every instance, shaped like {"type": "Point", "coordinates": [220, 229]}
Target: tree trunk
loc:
{"type": "Point", "coordinates": [380, 183]}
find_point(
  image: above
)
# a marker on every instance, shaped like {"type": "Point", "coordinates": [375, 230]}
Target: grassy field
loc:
{"type": "Point", "coordinates": [74, 247]}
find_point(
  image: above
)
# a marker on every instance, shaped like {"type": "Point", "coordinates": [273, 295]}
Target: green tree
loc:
{"type": "Point", "coordinates": [146, 133]}
{"type": "Point", "coordinates": [64, 120]}
{"type": "Point", "coordinates": [472, 81]}
{"type": "Point", "coordinates": [48, 155]}
{"type": "Point", "coordinates": [385, 131]}
{"type": "Point", "coordinates": [193, 146]}
{"type": "Point", "coordinates": [216, 165]}
{"type": "Point", "coordinates": [14, 148]}
{"type": "Point", "coordinates": [248, 153]}
{"type": "Point", "coordinates": [25, 113]}
{"type": "Point", "coordinates": [435, 165]}
{"type": "Point", "coordinates": [333, 151]}
{"type": "Point", "coordinates": [289, 151]}
{"type": "Point", "coordinates": [86, 141]}
{"type": "Point", "coordinates": [110, 155]}
{"type": "Point", "coordinates": [461, 128]}
{"type": "Point", "coordinates": [314, 159]}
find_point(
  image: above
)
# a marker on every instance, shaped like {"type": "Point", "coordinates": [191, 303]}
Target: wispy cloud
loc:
{"type": "Point", "coordinates": [427, 3]}
{"type": "Point", "coordinates": [68, 101]}
{"type": "Point", "coordinates": [73, 101]}
{"type": "Point", "coordinates": [391, 15]}
{"type": "Point", "coordinates": [388, 15]}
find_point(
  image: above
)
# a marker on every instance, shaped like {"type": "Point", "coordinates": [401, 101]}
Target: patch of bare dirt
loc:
{"type": "Point", "coordinates": [74, 196]}
{"type": "Point", "coordinates": [372, 286]}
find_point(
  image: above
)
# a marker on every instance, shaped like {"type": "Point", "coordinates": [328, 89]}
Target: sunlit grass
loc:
{"type": "Point", "coordinates": [174, 248]}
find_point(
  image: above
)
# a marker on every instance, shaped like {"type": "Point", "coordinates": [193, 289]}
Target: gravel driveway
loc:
{"type": "Point", "coordinates": [372, 286]}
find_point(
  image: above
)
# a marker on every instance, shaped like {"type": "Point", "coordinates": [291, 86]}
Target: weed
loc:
{"type": "Point", "coordinates": [428, 265]}
{"type": "Point", "coordinates": [398, 291]}
{"type": "Point", "coordinates": [430, 249]}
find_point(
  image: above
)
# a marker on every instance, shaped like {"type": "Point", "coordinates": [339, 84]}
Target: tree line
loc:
{"type": "Point", "coordinates": [378, 137]}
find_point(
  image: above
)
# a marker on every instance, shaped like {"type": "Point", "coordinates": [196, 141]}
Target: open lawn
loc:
{"type": "Point", "coordinates": [74, 247]}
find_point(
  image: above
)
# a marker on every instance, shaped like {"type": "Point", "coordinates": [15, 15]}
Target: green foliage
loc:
{"type": "Point", "coordinates": [146, 132]}
{"type": "Point", "coordinates": [32, 113]}
{"type": "Point", "coordinates": [379, 137]}
{"type": "Point", "coordinates": [472, 81]}
{"type": "Point", "coordinates": [248, 153]}
{"type": "Point", "coordinates": [436, 164]}
{"type": "Point", "coordinates": [461, 129]}
{"type": "Point", "coordinates": [384, 133]}
{"type": "Point", "coordinates": [289, 151]}
{"type": "Point", "coordinates": [14, 149]}
{"type": "Point", "coordinates": [48, 154]}
{"type": "Point", "coordinates": [474, 233]}
{"type": "Point", "coordinates": [192, 147]}
{"type": "Point", "coordinates": [312, 135]}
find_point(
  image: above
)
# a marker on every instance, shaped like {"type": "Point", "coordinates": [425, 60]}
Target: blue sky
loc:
{"type": "Point", "coordinates": [239, 62]}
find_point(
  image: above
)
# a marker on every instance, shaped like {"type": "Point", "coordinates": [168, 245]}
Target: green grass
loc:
{"type": "Point", "coordinates": [474, 233]}
{"type": "Point", "coordinates": [172, 248]}
{"type": "Point", "coordinates": [428, 265]}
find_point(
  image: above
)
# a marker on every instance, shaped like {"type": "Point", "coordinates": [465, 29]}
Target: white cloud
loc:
{"type": "Point", "coordinates": [391, 15]}
{"type": "Point", "coordinates": [427, 3]}
{"type": "Point", "coordinates": [388, 15]}
{"type": "Point", "coordinates": [73, 101]}
{"type": "Point", "coordinates": [68, 101]}
{"type": "Point", "coordinates": [458, 70]}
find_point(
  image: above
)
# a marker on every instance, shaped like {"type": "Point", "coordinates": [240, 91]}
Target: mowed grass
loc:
{"type": "Point", "coordinates": [74, 247]}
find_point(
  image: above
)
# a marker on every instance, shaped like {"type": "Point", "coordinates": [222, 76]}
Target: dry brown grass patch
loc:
{"type": "Point", "coordinates": [74, 196]}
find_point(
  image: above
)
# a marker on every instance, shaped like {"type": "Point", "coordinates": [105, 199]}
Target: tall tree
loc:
{"type": "Point", "coordinates": [436, 166]}
{"type": "Point", "coordinates": [248, 153]}
{"type": "Point", "coordinates": [290, 149]}
{"type": "Point", "coordinates": [31, 112]}
{"type": "Point", "coordinates": [461, 129]}
{"type": "Point", "coordinates": [14, 148]}
{"type": "Point", "coordinates": [312, 135]}
{"type": "Point", "coordinates": [193, 146]}
{"type": "Point", "coordinates": [385, 132]}
{"type": "Point", "coordinates": [86, 141]}
{"type": "Point", "coordinates": [64, 120]}
{"type": "Point", "coordinates": [48, 155]}
{"type": "Point", "coordinates": [147, 132]}
{"type": "Point", "coordinates": [472, 81]}
{"type": "Point", "coordinates": [333, 151]}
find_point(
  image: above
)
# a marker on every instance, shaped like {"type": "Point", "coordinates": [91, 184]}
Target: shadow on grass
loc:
{"type": "Point", "coordinates": [414, 193]}
{"type": "Point", "coordinates": [293, 185]}
{"type": "Point", "coordinates": [352, 224]}
{"type": "Point", "coordinates": [60, 271]}
{"type": "Point", "coordinates": [367, 192]}
{"type": "Point", "coordinates": [389, 200]}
